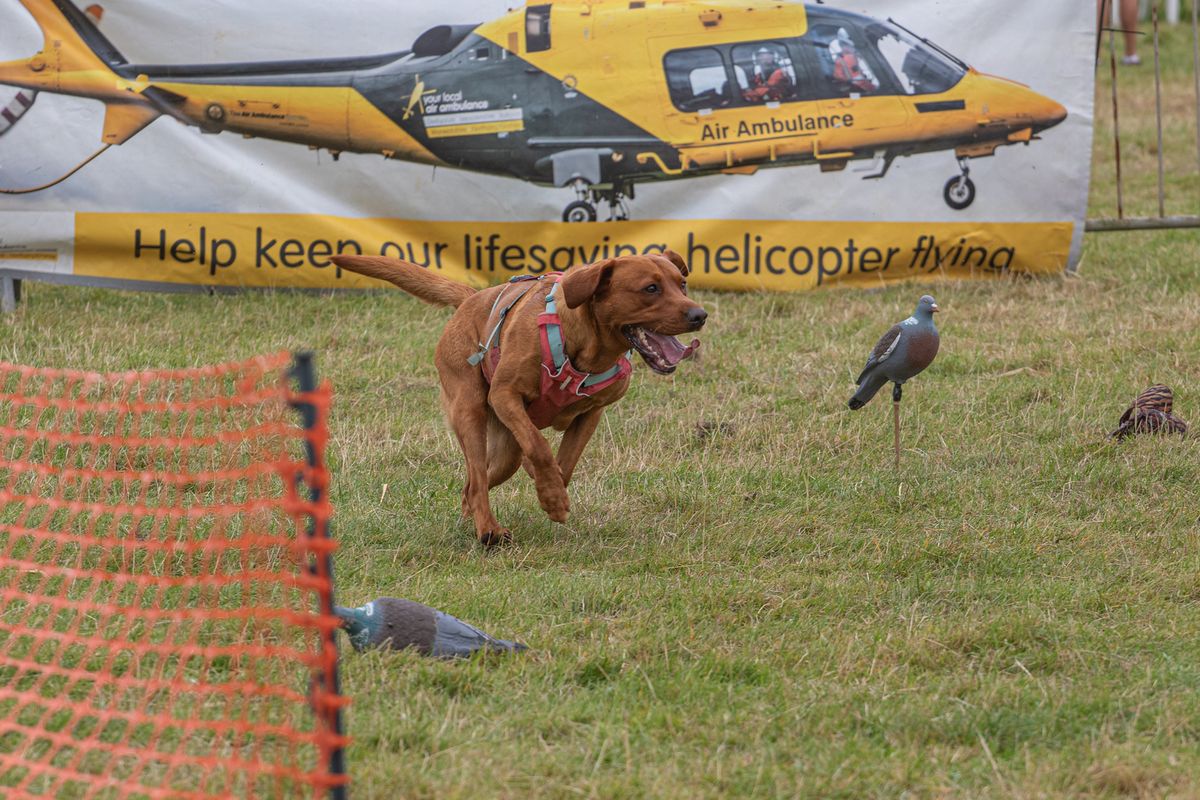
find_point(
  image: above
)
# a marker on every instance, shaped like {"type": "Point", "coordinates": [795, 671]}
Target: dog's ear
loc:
{"type": "Point", "coordinates": [677, 260]}
{"type": "Point", "coordinates": [582, 283]}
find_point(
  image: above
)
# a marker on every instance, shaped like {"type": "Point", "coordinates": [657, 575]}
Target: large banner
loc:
{"type": "Point", "coordinates": [776, 145]}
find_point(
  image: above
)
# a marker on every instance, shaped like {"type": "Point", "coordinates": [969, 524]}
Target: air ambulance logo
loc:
{"type": "Point", "coordinates": [414, 100]}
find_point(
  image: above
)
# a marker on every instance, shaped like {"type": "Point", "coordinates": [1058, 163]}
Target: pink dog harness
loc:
{"type": "Point", "coordinates": [562, 384]}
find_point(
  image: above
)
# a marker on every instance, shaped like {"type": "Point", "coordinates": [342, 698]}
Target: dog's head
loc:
{"type": "Point", "coordinates": [643, 298]}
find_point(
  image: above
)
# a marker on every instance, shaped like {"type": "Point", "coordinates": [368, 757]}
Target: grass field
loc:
{"type": "Point", "coordinates": [748, 600]}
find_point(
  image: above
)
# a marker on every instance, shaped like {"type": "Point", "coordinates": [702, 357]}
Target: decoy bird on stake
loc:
{"type": "Point", "coordinates": [394, 623]}
{"type": "Point", "coordinates": [907, 348]}
{"type": "Point", "coordinates": [1150, 413]}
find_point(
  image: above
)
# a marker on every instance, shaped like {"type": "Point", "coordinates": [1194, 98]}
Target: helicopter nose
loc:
{"type": "Point", "coordinates": [1048, 114]}
{"type": "Point", "coordinates": [1017, 107]}
{"type": "Point", "coordinates": [1042, 111]}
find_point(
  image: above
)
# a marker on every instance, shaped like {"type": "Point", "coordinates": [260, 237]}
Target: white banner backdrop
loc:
{"type": "Point", "coordinates": [738, 133]}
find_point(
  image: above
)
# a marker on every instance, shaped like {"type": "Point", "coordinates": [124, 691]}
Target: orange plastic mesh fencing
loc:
{"type": "Point", "coordinates": [166, 626]}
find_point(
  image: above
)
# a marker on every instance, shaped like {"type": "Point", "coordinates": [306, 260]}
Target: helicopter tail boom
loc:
{"type": "Point", "coordinates": [71, 43]}
{"type": "Point", "coordinates": [77, 59]}
{"type": "Point", "coordinates": [82, 25]}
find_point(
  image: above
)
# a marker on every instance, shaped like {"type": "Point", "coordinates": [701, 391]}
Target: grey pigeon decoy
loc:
{"type": "Point", "coordinates": [1150, 413]}
{"type": "Point", "coordinates": [393, 623]}
{"type": "Point", "coordinates": [905, 350]}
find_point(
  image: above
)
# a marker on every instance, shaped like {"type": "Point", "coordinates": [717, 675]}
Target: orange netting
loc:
{"type": "Point", "coordinates": [165, 585]}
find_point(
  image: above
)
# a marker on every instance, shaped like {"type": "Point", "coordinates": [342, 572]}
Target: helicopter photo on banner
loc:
{"type": "Point", "coordinates": [776, 145]}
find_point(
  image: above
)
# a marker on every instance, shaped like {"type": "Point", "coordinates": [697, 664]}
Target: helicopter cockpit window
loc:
{"type": "Point", "coordinates": [537, 28]}
{"type": "Point", "coordinates": [764, 72]}
{"type": "Point", "coordinates": [697, 79]}
{"type": "Point", "coordinates": [840, 51]}
{"type": "Point", "coordinates": [919, 68]}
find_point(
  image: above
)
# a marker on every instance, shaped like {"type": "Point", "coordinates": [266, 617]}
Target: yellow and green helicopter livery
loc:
{"type": "Point", "coordinates": [594, 95]}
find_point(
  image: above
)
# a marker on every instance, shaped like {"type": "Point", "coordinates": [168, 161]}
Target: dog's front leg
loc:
{"type": "Point", "coordinates": [574, 439]}
{"type": "Point", "coordinates": [551, 489]}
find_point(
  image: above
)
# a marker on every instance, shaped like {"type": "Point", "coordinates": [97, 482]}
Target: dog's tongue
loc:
{"type": "Point", "coordinates": [670, 348]}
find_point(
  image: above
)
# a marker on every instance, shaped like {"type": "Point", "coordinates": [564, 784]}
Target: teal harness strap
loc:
{"type": "Point", "coordinates": [554, 332]}
{"type": "Point", "coordinates": [558, 352]}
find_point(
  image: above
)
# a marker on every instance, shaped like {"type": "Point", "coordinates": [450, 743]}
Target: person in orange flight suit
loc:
{"type": "Point", "coordinates": [848, 72]}
{"type": "Point", "coordinates": [769, 82]}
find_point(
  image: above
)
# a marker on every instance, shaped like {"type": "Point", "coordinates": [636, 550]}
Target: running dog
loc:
{"type": "Point", "coordinates": [544, 351]}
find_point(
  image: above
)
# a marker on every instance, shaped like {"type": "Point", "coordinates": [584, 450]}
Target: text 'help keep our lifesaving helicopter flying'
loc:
{"type": "Point", "coordinates": [592, 95]}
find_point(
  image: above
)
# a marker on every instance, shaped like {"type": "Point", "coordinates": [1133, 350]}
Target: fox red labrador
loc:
{"type": "Point", "coordinates": [546, 351]}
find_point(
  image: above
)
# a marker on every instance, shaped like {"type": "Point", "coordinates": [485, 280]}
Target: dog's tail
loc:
{"type": "Point", "coordinates": [417, 281]}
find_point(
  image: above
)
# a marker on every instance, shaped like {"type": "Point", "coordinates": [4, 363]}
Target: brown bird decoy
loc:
{"type": "Point", "coordinates": [1159, 397]}
{"type": "Point", "coordinates": [1150, 413]}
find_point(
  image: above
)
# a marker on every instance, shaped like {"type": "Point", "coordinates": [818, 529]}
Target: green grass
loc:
{"type": "Point", "coordinates": [747, 599]}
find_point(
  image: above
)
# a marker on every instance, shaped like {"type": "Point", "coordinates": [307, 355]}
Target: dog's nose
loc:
{"type": "Point", "coordinates": [696, 316]}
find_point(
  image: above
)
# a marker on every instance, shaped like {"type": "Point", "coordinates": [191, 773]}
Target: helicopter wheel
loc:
{"type": "Point", "coordinates": [959, 192]}
{"type": "Point", "coordinates": [579, 211]}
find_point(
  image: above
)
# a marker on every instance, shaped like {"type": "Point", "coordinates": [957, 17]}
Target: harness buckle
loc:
{"type": "Point", "coordinates": [557, 375]}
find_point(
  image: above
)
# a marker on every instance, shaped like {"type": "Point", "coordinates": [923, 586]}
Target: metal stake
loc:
{"type": "Point", "coordinates": [1196, 69]}
{"type": "Point", "coordinates": [896, 392]}
{"type": "Point", "coordinates": [1158, 113]}
{"type": "Point", "coordinates": [1112, 60]}
{"type": "Point", "coordinates": [305, 374]}
{"type": "Point", "coordinates": [1101, 27]}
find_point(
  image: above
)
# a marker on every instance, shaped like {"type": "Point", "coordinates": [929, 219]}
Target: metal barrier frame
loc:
{"type": "Point", "coordinates": [1162, 221]}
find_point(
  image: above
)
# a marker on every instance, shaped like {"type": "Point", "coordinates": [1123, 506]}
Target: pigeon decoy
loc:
{"type": "Point", "coordinates": [905, 350]}
{"type": "Point", "coordinates": [1159, 397]}
{"type": "Point", "coordinates": [1150, 413]}
{"type": "Point", "coordinates": [394, 623]}
{"type": "Point", "coordinates": [1149, 420]}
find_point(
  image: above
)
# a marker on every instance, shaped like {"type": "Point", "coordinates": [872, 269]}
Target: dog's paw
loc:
{"type": "Point", "coordinates": [556, 504]}
{"type": "Point", "coordinates": [495, 537]}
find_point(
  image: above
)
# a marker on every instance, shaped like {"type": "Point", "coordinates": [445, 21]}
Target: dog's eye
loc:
{"type": "Point", "coordinates": [683, 286]}
{"type": "Point", "coordinates": [651, 289]}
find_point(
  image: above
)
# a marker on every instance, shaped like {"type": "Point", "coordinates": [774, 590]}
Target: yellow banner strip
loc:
{"type": "Point", "coordinates": [778, 255]}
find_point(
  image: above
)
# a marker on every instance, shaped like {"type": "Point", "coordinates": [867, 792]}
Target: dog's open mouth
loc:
{"type": "Point", "coordinates": [662, 353]}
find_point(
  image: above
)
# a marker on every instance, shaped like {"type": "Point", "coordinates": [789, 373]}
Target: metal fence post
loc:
{"type": "Point", "coordinates": [1162, 221]}
{"type": "Point", "coordinates": [304, 371]}
{"type": "Point", "coordinates": [10, 294]}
